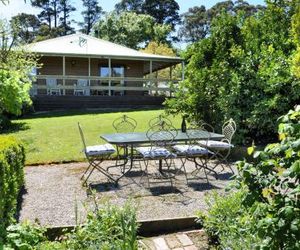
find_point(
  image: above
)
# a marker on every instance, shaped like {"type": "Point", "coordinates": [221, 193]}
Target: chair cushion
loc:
{"type": "Point", "coordinates": [191, 149]}
{"type": "Point", "coordinates": [155, 152]}
{"type": "Point", "coordinates": [100, 149]}
{"type": "Point", "coordinates": [215, 144]}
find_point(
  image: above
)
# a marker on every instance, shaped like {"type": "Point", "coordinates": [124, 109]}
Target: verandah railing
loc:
{"type": "Point", "coordinates": [110, 86]}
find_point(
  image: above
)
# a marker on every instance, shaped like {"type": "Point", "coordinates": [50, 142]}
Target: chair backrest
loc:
{"type": "Point", "coordinates": [161, 134]}
{"type": "Point", "coordinates": [51, 82]}
{"type": "Point", "coordinates": [124, 124]}
{"type": "Point", "coordinates": [82, 83]}
{"type": "Point", "coordinates": [203, 125]}
{"type": "Point", "coordinates": [196, 133]}
{"type": "Point", "coordinates": [228, 129]}
{"type": "Point", "coordinates": [206, 126]}
{"type": "Point", "coordinates": [159, 120]}
{"type": "Point", "coordinates": [82, 137]}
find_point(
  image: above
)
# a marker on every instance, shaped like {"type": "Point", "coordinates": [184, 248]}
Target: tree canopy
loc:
{"type": "Point", "coordinates": [160, 49]}
{"type": "Point", "coordinates": [242, 70]}
{"type": "Point", "coordinates": [197, 21]}
{"type": "Point", "coordinates": [130, 29]}
{"type": "Point", "coordinates": [296, 36]}
{"type": "Point", "coordinates": [130, 5]}
{"type": "Point", "coordinates": [15, 67]}
{"type": "Point", "coordinates": [54, 18]}
{"type": "Point", "coordinates": [27, 27]}
{"type": "Point", "coordinates": [92, 13]}
{"type": "Point", "coordinates": [163, 12]}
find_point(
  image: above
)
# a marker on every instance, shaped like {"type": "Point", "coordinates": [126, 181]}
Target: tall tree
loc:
{"type": "Point", "coordinates": [195, 24]}
{"type": "Point", "coordinates": [131, 29]}
{"type": "Point", "coordinates": [27, 26]}
{"type": "Point", "coordinates": [91, 14]}
{"type": "Point", "coordinates": [242, 70]}
{"type": "Point", "coordinates": [130, 5]}
{"type": "Point", "coordinates": [48, 12]}
{"type": "Point", "coordinates": [66, 8]}
{"type": "Point", "coordinates": [164, 12]}
{"type": "Point", "coordinates": [197, 21]}
{"type": "Point", "coordinates": [55, 11]}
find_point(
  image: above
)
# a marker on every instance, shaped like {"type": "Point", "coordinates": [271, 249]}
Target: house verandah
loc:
{"type": "Point", "coordinates": [82, 71]}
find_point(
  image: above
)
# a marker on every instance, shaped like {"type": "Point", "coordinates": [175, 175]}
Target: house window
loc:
{"type": "Point", "coordinates": [116, 71]}
{"type": "Point", "coordinates": [104, 71]}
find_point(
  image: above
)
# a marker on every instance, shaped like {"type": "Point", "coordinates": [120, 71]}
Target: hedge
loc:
{"type": "Point", "coordinates": [12, 160]}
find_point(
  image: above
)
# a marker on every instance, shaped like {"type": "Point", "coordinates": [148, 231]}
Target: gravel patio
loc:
{"type": "Point", "coordinates": [54, 195]}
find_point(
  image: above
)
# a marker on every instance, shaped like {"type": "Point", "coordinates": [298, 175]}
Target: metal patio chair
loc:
{"type": "Point", "coordinates": [81, 88]}
{"type": "Point", "coordinates": [160, 136]}
{"type": "Point", "coordinates": [52, 87]}
{"type": "Point", "coordinates": [193, 152]}
{"type": "Point", "coordinates": [162, 120]}
{"type": "Point", "coordinates": [123, 124]}
{"type": "Point", "coordinates": [206, 126]}
{"type": "Point", "coordinates": [222, 149]}
{"type": "Point", "coordinates": [158, 121]}
{"type": "Point", "coordinates": [96, 155]}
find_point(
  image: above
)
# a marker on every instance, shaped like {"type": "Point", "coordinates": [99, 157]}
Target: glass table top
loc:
{"type": "Point", "coordinates": [141, 137]}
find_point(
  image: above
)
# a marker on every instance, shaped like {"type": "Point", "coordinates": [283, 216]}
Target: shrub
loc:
{"type": "Point", "coordinates": [265, 212]}
{"type": "Point", "coordinates": [24, 236]}
{"type": "Point", "coordinates": [16, 65]}
{"type": "Point", "coordinates": [274, 188]}
{"type": "Point", "coordinates": [228, 222]}
{"type": "Point", "coordinates": [108, 228]}
{"type": "Point", "coordinates": [5, 123]}
{"type": "Point", "coordinates": [12, 159]}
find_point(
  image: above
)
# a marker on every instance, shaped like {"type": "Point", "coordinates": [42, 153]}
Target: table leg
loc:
{"type": "Point", "coordinates": [131, 157]}
{"type": "Point", "coordinates": [160, 166]}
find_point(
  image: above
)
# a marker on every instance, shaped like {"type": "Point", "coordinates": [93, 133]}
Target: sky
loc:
{"type": "Point", "coordinates": [18, 6]}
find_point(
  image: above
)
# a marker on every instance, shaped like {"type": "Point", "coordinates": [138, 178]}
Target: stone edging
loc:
{"type": "Point", "coordinates": [146, 227]}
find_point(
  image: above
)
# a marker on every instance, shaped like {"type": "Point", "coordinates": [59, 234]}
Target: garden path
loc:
{"type": "Point", "coordinates": [187, 240]}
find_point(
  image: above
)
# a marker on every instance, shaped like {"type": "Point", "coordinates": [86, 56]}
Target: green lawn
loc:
{"type": "Point", "coordinates": [54, 137]}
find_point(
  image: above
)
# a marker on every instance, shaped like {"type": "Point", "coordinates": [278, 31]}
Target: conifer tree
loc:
{"type": "Point", "coordinates": [91, 14]}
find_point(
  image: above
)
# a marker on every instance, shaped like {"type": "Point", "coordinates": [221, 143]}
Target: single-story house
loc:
{"type": "Point", "coordinates": [83, 71]}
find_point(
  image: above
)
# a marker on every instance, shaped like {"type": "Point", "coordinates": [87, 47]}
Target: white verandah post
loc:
{"type": "Point", "coordinates": [89, 74]}
{"type": "Point", "coordinates": [171, 79]}
{"type": "Point", "coordinates": [151, 76]}
{"type": "Point", "coordinates": [89, 70]}
{"type": "Point", "coordinates": [64, 75]}
{"type": "Point", "coordinates": [109, 75]}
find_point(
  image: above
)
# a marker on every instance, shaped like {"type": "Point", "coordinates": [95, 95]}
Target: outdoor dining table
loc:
{"type": "Point", "coordinates": [129, 140]}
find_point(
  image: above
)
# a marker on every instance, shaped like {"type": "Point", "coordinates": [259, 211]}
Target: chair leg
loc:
{"type": "Point", "coordinates": [86, 171]}
{"type": "Point", "coordinates": [145, 172]}
{"type": "Point", "coordinates": [226, 163]}
{"type": "Point", "coordinates": [96, 165]}
{"type": "Point", "coordinates": [183, 161]}
{"type": "Point", "coordinates": [85, 181]}
{"type": "Point", "coordinates": [204, 165]}
{"type": "Point", "coordinates": [170, 177]}
{"type": "Point", "coordinates": [221, 159]}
